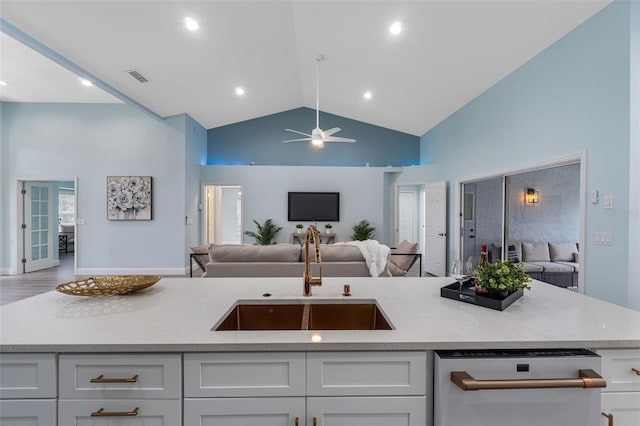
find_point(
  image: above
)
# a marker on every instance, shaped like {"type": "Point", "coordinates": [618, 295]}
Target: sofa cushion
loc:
{"type": "Point", "coordinates": [555, 267]}
{"type": "Point", "coordinates": [203, 255]}
{"type": "Point", "coordinates": [334, 253]}
{"type": "Point", "coordinates": [254, 253]}
{"type": "Point", "coordinates": [532, 267]}
{"type": "Point", "coordinates": [535, 252]}
{"type": "Point", "coordinates": [563, 252]}
{"type": "Point", "coordinates": [574, 265]}
{"type": "Point", "coordinates": [403, 262]}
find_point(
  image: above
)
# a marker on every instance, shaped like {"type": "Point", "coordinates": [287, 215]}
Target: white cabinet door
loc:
{"type": "Point", "coordinates": [624, 406]}
{"type": "Point", "coordinates": [244, 411]}
{"type": "Point", "coordinates": [213, 375]}
{"type": "Point", "coordinates": [28, 376]}
{"type": "Point", "coordinates": [366, 373]}
{"type": "Point", "coordinates": [369, 411]}
{"type": "Point", "coordinates": [120, 412]}
{"type": "Point", "coordinates": [28, 412]}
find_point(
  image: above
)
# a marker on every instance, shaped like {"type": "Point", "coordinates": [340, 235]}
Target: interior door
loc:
{"type": "Point", "coordinates": [223, 212]}
{"type": "Point", "coordinates": [436, 233]}
{"type": "Point", "coordinates": [406, 216]}
{"type": "Point", "coordinates": [468, 221]}
{"type": "Point", "coordinates": [39, 230]}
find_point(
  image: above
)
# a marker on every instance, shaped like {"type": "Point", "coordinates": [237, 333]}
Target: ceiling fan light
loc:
{"type": "Point", "coordinates": [317, 143]}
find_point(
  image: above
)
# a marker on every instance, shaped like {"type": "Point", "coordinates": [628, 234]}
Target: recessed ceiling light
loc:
{"type": "Point", "coordinates": [367, 94]}
{"type": "Point", "coordinates": [395, 28]}
{"type": "Point", "coordinates": [239, 91]}
{"type": "Point", "coordinates": [3, 83]}
{"type": "Point", "coordinates": [191, 24]}
{"type": "Point", "coordinates": [86, 82]}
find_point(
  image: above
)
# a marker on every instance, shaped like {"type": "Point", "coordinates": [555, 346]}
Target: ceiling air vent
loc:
{"type": "Point", "coordinates": [136, 74]}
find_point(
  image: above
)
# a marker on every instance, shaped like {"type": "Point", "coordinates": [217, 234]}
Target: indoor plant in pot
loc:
{"type": "Point", "coordinates": [500, 278]}
{"type": "Point", "coordinates": [299, 228]}
{"type": "Point", "coordinates": [327, 228]}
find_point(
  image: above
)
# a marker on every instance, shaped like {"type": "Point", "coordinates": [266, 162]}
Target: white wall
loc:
{"type": "Point", "coordinates": [265, 191]}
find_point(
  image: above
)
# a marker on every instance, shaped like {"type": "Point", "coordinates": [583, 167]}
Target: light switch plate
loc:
{"type": "Point", "coordinates": [594, 197]}
{"type": "Point", "coordinates": [607, 202]}
{"type": "Point", "coordinates": [603, 239]}
{"type": "Point", "coordinates": [80, 221]}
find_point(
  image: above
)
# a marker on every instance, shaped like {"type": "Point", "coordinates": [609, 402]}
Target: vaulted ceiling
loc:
{"type": "Point", "coordinates": [448, 52]}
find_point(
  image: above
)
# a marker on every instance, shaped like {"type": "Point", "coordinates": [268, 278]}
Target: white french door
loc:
{"type": "Point", "coordinates": [38, 226]}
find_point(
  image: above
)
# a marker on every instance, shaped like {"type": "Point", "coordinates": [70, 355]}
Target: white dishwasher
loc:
{"type": "Point", "coordinates": [545, 387]}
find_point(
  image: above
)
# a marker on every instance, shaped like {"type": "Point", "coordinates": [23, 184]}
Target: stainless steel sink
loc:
{"type": "Point", "coordinates": [315, 315]}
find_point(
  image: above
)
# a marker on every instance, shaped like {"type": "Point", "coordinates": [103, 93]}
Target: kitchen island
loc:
{"type": "Point", "coordinates": [177, 314]}
{"type": "Point", "coordinates": [152, 354]}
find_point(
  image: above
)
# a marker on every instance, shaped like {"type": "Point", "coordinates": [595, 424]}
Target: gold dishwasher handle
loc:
{"type": "Point", "coordinates": [608, 416]}
{"type": "Point", "coordinates": [102, 413]}
{"type": "Point", "coordinates": [635, 370]}
{"type": "Point", "coordinates": [297, 422]}
{"type": "Point", "coordinates": [315, 421]}
{"type": "Point", "coordinates": [102, 379]}
{"type": "Point", "coordinates": [587, 379]}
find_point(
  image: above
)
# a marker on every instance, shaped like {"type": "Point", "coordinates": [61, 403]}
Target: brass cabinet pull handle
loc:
{"type": "Point", "coordinates": [608, 416]}
{"type": "Point", "coordinates": [102, 413]}
{"type": "Point", "coordinates": [315, 421]}
{"type": "Point", "coordinates": [635, 370]}
{"type": "Point", "coordinates": [587, 379]}
{"type": "Point", "coordinates": [102, 379]}
{"type": "Point", "coordinates": [296, 422]}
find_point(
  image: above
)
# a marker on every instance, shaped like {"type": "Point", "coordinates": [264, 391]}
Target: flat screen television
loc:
{"type": "Point", "coordinates": [314, 206]}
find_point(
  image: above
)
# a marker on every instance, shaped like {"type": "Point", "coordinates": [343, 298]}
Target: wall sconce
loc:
{"type": "Point", "coordinates": [531, 196]}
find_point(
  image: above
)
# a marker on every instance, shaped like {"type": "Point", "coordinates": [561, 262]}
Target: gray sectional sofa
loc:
{"type": "Point", "coordinates": [554, 263]}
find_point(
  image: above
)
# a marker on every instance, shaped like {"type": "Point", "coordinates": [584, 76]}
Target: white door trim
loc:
{"type": "Point", "coordinates": [14, 221]}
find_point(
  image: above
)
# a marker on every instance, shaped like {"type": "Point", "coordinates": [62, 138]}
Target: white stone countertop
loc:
{"type": "Point", "coordinates": [177, 314]}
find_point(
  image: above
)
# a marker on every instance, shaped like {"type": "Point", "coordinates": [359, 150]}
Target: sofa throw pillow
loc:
{"type": "Point", "coordinates": [404, 262]}
{"type": "Point", "coordinates": [203, 255]}
{"type": "Point", "coordinates": [394, 270]}
{"type": "Point", "coordinates": [562, 252]}
{"type": "Point", "coordinates": [535, 252]}
{"type": "Point", "coordinates": [512, 254]}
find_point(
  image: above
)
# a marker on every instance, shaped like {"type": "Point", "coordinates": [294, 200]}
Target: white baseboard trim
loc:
{"type": "Point", "coordinates": [131, 271]}
{"type": "Point", "coordinates": [8, 271]}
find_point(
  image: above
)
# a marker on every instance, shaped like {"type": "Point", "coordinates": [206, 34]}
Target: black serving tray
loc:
{"type": "Point", "coordinates": [468, 295]}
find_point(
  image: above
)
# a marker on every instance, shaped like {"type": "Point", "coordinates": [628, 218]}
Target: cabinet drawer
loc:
{"type": "Point", "coordinates": [617, 369]}
{"type": "Point", "coordinates": [244, 411]}
{"type": "Point", "coordinates": [27, 376]}
{"type": "Point", "coordinates": [366, 373]}
{"type": "Point", "coordinates": [120, 412]}
{"type": "Point", "coordinates": [28, 412]}
{"type": "Point", "coordinates": [244, 374]}
{"type": "Point", "coordinates": [625, 407]}
{"type": "Point", "coordinates": [120, 376]}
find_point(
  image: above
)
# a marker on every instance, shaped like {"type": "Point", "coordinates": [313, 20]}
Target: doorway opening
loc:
{"type": "Point", "coordinates": [223, 214]}
{"type": "Point", "coordinates": [46, 224]}
{"type": "Point", "coordinates": [533, 216]}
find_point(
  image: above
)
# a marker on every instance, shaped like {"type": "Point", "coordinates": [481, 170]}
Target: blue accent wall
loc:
{"type": "Point", "coordinates": [573, 97]}
{"type": "Point", "coordinates": [259, 141]}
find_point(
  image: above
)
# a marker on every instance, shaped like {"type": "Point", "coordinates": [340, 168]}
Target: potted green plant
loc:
{"type": "Point", "coordinates": [362, 231]}
{"type": "Point", "coordinates": [299, 228]}
{"type": "Point", "coordinates": [328, 227]}
{"type": "Point", "coordinates": [500, 278]}
{"type": "Point", "coordinates": [267, 232]}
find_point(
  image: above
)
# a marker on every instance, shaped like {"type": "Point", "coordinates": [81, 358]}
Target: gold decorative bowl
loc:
{"type": "Point", "coordinates": [107, 285]}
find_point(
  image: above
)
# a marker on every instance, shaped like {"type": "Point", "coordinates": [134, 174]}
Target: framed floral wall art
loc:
{"type": "Point", "coordinates": [129, 197]}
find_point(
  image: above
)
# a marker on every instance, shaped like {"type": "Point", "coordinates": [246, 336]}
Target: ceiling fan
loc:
{"type": "Point", "coordinates": [318, 136]}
